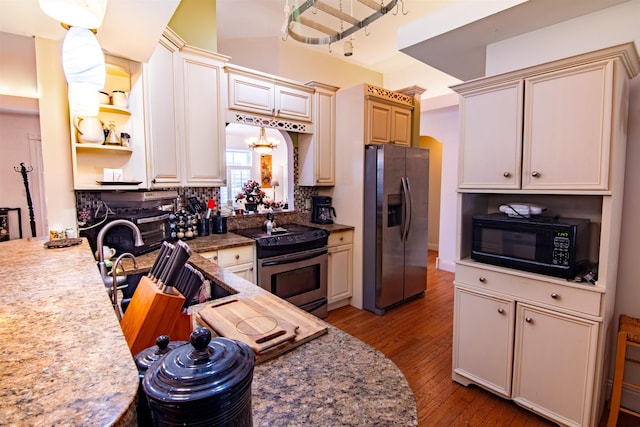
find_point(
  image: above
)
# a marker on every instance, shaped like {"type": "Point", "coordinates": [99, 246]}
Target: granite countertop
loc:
{"type": "Point", "coordinates": [63, 356]}
{"type": "Point", "coordinates": [71, 365]}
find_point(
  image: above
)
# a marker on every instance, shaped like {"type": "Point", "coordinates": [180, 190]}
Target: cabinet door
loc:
{"type": "Point", "coordinates": [204, 155]}
{"type": "Point", "coordinates": [491, 137]}
{"type": "Point", "coordinates": [483, 339]}
{"type": "Point", "coordinates": [246, 271]}
{"type": "Point", "coordinates": [401, 126]}
{"type": "Point", "coordinates": [251, 94]}
{"type": "Point", "coordinates": [378, 122]}
{"type": "Point", "coordinates": [554, 364]}
{"type": "Point", "coordinates": [340, 272]}
{"type": "Point", "coordinates": [164, 130]}
{"type": "Point", "coordinates": [293, 103]}
{"type": "Point", "coordinates": [567, 128]}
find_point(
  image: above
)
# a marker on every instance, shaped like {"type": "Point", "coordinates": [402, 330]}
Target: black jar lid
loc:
{"type": "Point", "coordinates": [207, 369]}
{"type": "Point", "coordinates": [147, 357]}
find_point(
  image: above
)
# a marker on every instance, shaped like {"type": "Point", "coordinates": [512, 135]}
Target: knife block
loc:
{"type": "Point", "coordinates": [150, 313]}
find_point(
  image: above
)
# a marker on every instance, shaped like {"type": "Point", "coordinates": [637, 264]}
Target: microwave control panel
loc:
{"type": "Point", "coordinates": [561, 249]}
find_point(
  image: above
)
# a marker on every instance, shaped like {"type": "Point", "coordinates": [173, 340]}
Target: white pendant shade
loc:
{"type": "Point", "coordinates": [84, 69]}
{"type": "Point", "coordinates": [76, 13]}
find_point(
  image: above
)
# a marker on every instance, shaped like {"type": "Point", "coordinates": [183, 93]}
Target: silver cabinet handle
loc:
{"type": "Point", "coordinates": [535, 174]}
{"type": "Point", "coordinates": [501, 310]}
{"type": "Point", "coordinates": [506, 174]}
{"type": "Point", "coordinates": [528, 319]}
{"type": "Point", "coordinates": [555, 296]}
{"type": "Point", "coordinates": [482, 279]}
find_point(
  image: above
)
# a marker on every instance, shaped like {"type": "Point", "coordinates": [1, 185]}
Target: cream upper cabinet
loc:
{"type": "Point", "coordinates": [388, 123]}
{"type": "Point", "coordinates": [491, 135]}
{"type": "Point", "coordinates": [541, 130]}
{"type": "Point", "coordinates": [164, 131]}
{"type": "Point", "coordinates": [184, 91]}
{"type": "Point", "coordinates": [203, 117]}
{"type": "Point", "coordinates": [567, 128]}
{"type": "Point", "coordinates": [255, 92]}
{"type": "Point", "coordinates": [316, 152]}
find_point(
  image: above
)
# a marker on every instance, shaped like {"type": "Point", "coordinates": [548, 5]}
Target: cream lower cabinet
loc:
{"type": "Point", "coordinates": [542, 359]}
{"type": "Point", "coordinates": [483, 325]}
{"type": "Point", "coordinates": [238, 260]}
{"type": "Point", "coordinates": [340, 268]}
{"type": "Point", "coordinates": [530, 341]}
{"type": "Point", "coordinates": [554, 361]}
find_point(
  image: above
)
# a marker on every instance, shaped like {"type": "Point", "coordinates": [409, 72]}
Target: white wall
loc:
{"type": "Point", "coordinates": [439, 119]}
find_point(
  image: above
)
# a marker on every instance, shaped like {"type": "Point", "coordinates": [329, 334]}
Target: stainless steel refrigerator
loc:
{"type": "Point", "coordinates": [396, 194]}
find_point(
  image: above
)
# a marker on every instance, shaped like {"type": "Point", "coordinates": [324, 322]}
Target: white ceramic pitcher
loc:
{"type": "Point", "coordinates": [90, 130]}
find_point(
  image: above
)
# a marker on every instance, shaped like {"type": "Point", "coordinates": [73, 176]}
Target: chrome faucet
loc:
{"type": "Point", "coordinates": [115, 288]}
{"type": "Point", "coordinates": [100, 243]}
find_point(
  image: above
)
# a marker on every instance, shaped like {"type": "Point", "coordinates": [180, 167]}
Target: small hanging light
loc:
{"type": "Point", "coordinates": [82, 57]}
{"type": "Point", "coordinates": [262, 144]}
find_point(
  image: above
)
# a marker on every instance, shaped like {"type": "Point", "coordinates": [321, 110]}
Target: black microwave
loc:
{"type": "Point", "coordinates": [545, 245]}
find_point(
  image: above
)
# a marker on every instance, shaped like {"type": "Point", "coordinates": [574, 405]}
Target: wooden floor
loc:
{"type": "Point", "coordinates": [417, 336]}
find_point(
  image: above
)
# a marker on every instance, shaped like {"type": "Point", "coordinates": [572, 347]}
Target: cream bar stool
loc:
{"type": "Point", "coordinates": [628, 335]}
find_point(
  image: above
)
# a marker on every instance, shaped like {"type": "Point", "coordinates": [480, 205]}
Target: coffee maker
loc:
{"type": "Point", "coordinates": [321, 210]}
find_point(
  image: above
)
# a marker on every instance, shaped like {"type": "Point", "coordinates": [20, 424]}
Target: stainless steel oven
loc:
{"type": "Point", "coordinates": [300, 278]}
{"type": "Point", "coordinates": [292, 264]}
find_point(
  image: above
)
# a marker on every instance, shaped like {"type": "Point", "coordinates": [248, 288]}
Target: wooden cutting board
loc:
{"type": "Point", "coordinates": [264, 322]}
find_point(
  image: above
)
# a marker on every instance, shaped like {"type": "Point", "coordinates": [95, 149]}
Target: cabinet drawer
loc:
{"type": "Point", "coordinates": [235, 256]}
{"type": "Point", "coordinates": [585, 300]}
{"type": "Point", "coordinates": [340, 238]}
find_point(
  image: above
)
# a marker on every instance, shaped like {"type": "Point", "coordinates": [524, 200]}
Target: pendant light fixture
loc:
{"type": "Point", "coordinates": [82, 56]}
{"type": "Point", "coordinates": [262, 144]}
{"type": "Point", "coordinates": [320, 22]}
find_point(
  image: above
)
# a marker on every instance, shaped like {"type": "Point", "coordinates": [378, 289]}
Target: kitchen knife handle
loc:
{"type": "Point", "coordinates": [182, 254]}
{"type": "Point", "coordinates": [153, 273]}
{"type": "Point", "coordinates": [164, 266]}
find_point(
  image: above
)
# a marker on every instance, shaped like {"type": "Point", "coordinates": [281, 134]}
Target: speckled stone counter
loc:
{"type": "Point", "coordinates": [333, 380]}
{"type": "Point", "coordinates": [63, 358]}
{"type": "Point", "coordinates": [72, 366]}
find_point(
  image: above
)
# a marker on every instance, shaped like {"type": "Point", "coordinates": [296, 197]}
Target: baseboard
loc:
{"type": "Point", "coordinates": [445, 265]}
{"type": "Point", "coordinates": [630, 396]}
{"type": "Point", "coordinates": [433, 246]}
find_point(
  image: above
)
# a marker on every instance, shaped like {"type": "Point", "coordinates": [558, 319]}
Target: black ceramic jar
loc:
{"type": "Point", "coordinates": [207, 383]}
{"type": "Point", "coordinates": [144, 360]}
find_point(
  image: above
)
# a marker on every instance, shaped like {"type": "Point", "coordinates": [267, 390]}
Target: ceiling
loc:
{"type": "Point", "coordinates": [449, 35]}
{"type": "Point", "coordinates": [131, 28]}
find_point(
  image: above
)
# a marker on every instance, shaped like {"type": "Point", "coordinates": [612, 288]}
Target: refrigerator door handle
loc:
{"type": "Point", "coordinates": [409, 208]}
{"type": "Point", "coordinates": [406, 223]}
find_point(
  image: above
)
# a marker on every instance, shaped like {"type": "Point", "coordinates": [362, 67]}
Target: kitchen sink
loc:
{"type": "Point", "coordinates": [217, 291]}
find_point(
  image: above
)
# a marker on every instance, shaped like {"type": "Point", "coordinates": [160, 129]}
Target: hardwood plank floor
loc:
{"type": "Point", "coordinates": [417, 337]}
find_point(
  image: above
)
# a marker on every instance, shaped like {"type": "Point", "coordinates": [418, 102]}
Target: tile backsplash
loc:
{"type": "Point", "coordinates": [90, 202]}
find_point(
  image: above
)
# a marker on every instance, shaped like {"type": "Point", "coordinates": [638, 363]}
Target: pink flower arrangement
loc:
{"type": "Point", "coordinates": [252, 192]}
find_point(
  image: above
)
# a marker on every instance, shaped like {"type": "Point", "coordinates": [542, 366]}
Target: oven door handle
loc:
{"type": "Point", "coordinates": [292, 260]}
